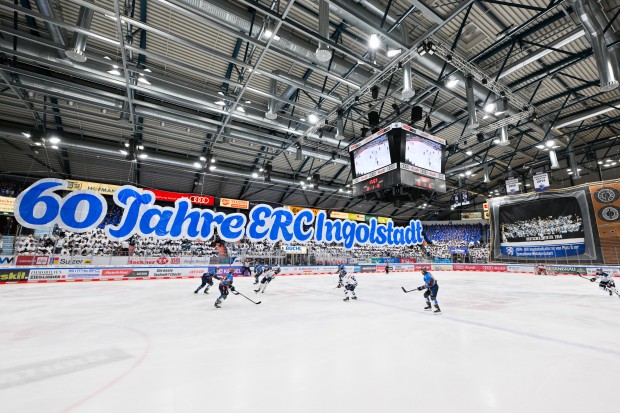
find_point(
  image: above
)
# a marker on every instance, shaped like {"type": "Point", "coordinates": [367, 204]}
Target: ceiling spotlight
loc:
{"type": "Point", "coordinates": [26, 134]}
{"type": "Point", "coordinates": [240, 109]}
{"type": "Point", "coordinates": [467, 173]}
{"type": "Point", "coordinates": [123, 151]}
{"type": "Point", "coordinates": [468, 152]}
{"type": "Point", "coordinates": [489, 108]}
{"type": "Point", "coordinates": [54, 140]}
{"type": "Point", "coordinates": [104, 111]}
{"type": "Point", "coordinates": [188, 130]}
{"type": "Point", "coordinates": [202, 159]}
{"type": "Point", "coordinates": [197, 165]}
{"type": "Point", "coordinates": [143, 156]}
{"type": "Point", "coordinates": [496, 141]}
{"type": "Point", "coordinates": [600, 162]}
{"type": "Point", "coordinates": [54, 147]}
{"type": "Point", "coordinates": [162, 123]}
{"type": "Point", "coordinates": [220, 103]}
{"type": "Point", "coordinates": [143, 80]}
{"type": "Point", "coordinates": [126, 144]}
{"type": "Point", "coordinates": [393, 52]}
{"type": "Point", "coordinates": [550, 143]}
{"type": "Point", "coordinates": [212, 167]}
{"type": "Point", "coordinates": [452, 82]}
{"type": "Point", "coordinates": [254, 175]}
{"type": "Point", "coordinates": [247, 102]}
{"type": "Point", "coordinates": [70, 102]}
{"type": "Point", "coordinates": [374, 42]}
{"type": "Point", "coordinates": [427, 47]}
{"type": "Point", "coordinates": [541, 146]}
{"type": "Point", "coordinates": [312, 118]}
{"type": "Point", "coordinates": [141, 147]}
{"type": "Point", "coordinates": [115, 72]}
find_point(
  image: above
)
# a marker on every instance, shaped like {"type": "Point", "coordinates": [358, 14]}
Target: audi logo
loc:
{"type": "Point", "coordinates": [200, 199]}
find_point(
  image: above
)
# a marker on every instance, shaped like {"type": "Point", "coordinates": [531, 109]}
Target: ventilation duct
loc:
{"type": "Point", "coordinates": [271, 103]}
{"type": "Point", "coordinates": [503, 131]}
{"type": "Point", "coordinates": [54, 31]}
{"type": "Point", "coordinates": [599, 48]}
{"type": "Point", "coordinates": [570, 120]}
{"type": "Point", "coordinates": [408, 92]}
{"type": "Point", "coordinates": [78, 42]}
{"type": "Point", "coordinates": [553, 157]}
{"type": "Point", "coordinates": [487, 178]}
{"type": "Point", "coordinates": [340, 125]}
{"type": "Point", "coordinates": [471, 102]}
{"type": "Point", "coordinates": [323, 53]}
{"type": "Point", "coordinates": [572, 162]}
{"type": "Point", "coordinates": [612, 36]}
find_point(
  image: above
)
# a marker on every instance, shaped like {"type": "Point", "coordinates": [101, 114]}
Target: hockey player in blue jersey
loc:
{"type": "Point", "coordinates": [226, 283]}
{"type": "Point", "coordinates": [349, 283]}
{"type": "Point", "coordinates": [258, 271]}
{"type": "Point", "coordinates": [207, 279]}
{"type": "Point", "coordinates": [430, 283]}
{"type": "Point", "coordinates": [341, 274]}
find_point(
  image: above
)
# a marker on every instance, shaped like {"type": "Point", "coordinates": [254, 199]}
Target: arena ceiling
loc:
{"type": "Point", "coordinates": [184, 81]}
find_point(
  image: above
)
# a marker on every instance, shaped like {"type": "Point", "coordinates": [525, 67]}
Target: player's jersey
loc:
{"type": "Point", "coordinates": [226, 280]}
{"type": "Point", "coordinates": [270, 273]}
{"type": "Point", "coordinates": [259, 269]}
{"type": "Point", "coordinates": [349, 279]}
{"type": "Point", "coordinates": [429, 280]}
{"type": "Point", "coordinates": [341, 275]}
{"type": "Point", "coordinates": [207, 276]}
{"type": "Point", "coordinates": [604, 277]}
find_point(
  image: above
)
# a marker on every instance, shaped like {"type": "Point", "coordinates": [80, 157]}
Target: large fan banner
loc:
{"type": "Point", "coordinates": [40, 206]}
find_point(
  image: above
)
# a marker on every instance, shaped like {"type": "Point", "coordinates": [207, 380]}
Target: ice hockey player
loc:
{"type": "Point", "coordinates": [341, 274]}
{"type": "Point", "coordinates": [430, 283]}
{"type": "Point", "coordinates": [269, 275]}
{"type": "Point", "coordinates": [226, 282]}
{"type": "Point", "coordinates": [258, 271]}
{"type": "Point", "coordinates": [349, 283]}
{"type": "Point", "coordinates": [607, 281]}
{"type": "Point", "coordinates": [207, 279]}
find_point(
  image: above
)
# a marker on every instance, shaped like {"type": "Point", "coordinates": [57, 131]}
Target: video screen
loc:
{"type": "Point", "coordinates": [542, 228]}
{"type": "Point", "coordinates": [423, 153]}
{"type": "Point", "coordinates": [372, 156]}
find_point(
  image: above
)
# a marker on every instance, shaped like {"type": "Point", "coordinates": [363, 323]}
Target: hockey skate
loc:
{"type": "Point", "coordinates": [354, 298]}
{"type": "Point", "coordinates": [437, 310]}
{"type": "Point", "coordinates": [206, 291]}
{"type": "Point", "coordinates": [428, 307]}
{"type": "Point", "coordinates": [217, 304]}
{"type": "Point", "coordinates": [346, 299]}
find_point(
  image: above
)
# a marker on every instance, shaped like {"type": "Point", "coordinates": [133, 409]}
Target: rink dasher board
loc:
{"type": "Point", "coordinates": [127, 273]}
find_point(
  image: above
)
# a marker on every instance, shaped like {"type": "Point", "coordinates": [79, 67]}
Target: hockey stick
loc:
{"type": "Point", "coordinates": [405, 291]}
{"type": "Point", "coordinates": [247, 298]}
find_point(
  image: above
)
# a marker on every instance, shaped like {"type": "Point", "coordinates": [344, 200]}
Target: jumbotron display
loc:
{"type": "Point", "coordinates": [398, 162]}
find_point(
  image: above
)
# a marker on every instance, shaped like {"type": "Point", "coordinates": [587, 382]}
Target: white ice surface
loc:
{"type": "Point", "coordinates": [505, 343]}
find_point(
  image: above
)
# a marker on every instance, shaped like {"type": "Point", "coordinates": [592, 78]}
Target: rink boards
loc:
{"type": "Point", "coordinates": [10, 275]}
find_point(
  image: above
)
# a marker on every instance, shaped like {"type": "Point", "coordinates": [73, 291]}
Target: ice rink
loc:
{"type": "Point", "coordinates": [505, 343]}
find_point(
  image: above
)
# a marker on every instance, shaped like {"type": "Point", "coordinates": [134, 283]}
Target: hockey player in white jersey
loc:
{"type": "Point", "coordinates": [606, 281]}
{"type": "Point", "coordinates": [268, 275]}
{"type": "Point", "coordinates": [349, 283]}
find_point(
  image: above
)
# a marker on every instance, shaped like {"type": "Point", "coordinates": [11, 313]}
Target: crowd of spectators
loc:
{"type": "Point", "coordinates": [10, 189]}
{"type": "Point", "coordinates": [463, 233]}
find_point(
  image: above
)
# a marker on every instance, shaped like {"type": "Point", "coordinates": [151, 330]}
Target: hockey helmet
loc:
{"type": "Point", "coordinates": [424, 270]}
{"type": "Point", "coordinates": [341, 267]}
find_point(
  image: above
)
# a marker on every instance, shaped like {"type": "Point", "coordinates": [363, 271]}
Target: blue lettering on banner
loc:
{"type": "Point", "coordinates": [40, 207]}
{"type": "Point", "coordinates": [547, 251]}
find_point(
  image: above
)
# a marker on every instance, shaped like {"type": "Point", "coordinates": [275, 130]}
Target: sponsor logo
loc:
{"type": "Point", "coordinates": [153, 260]}
{"type": "Point", "coordinates": [121, 272]}
{"type": "Point", "coordinates": [7, 260]}
{"type": "Point", "coordinates": [234, 203]}
{"type": "Point", "coordinates": [167, 272]}
{"type": "Point", "coordinates": [31, 260]}
{"type": "Point", "coordinates": [84, 273]}
{"type": "Point", "coordinates": [70, 260]}
{"type": "Point", "coordinates": [138, 273]}
{"type": "Point", "coordinates": [47, 275]}
{"type": "Point", "coordinates": [14, 275]}
{"type": "Point", "coordinates": [369, 268]}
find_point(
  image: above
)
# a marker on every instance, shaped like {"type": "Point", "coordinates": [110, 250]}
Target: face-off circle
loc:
{"type": "Point", "coordinates": [607, 195]}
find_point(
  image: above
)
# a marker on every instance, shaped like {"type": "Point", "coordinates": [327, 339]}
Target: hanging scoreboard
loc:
{"type": "Point", "coordinates": [398, 156]}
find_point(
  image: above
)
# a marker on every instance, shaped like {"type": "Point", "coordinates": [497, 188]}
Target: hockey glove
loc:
{"type": "Point", "coordinates": [592, 279]}
{"type": "Point", "coordinates": [420, 288]}
{"type": "Point", "coordinates": [232, 288]}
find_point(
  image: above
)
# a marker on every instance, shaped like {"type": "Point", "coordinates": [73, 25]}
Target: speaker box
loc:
{"type": "Point", "coordinates": [373, 118]}
{"type": "Point", "coordinates": [416, 114]}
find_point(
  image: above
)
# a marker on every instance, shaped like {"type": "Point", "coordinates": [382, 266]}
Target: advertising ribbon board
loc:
{"type": "Point", "coordinates": [7, 204]}
{"type": "Point", "coordinates": [338, 215]}
{"type": "Point", "coordinates": [471, 215]}
{"type": "Point", "coordinates": [234, 203]}
{"type": "Point", "coordinates": [196, 199]}
{"type": "Point", "coordinates": [296, 209]}
{"type": "Point", "coordinates": [105, 189]}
